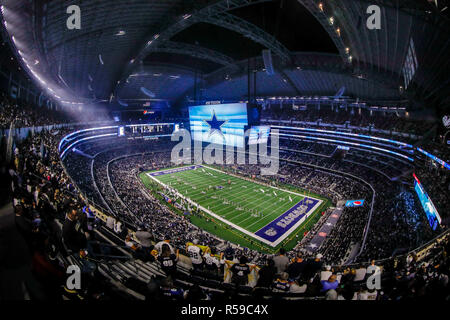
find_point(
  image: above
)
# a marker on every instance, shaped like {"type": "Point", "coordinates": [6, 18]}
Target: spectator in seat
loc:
{"type": "Point", "coordinates": [195, 294]}
{"type": "Point", "coordinates": [110, 222]}
{"type": "Point", "coordinates": [313, 266]}
{"type": "Point", "coordinates": [195, 253]}
{"type": "Point", "coordinates": [298, 287]}
{"type": "Point", "coordinates": [169, 291]}
{"type": "Point", "coordinates": [281, 284]}
{"type": "Point", "coordinates": [168, 261]}
{"type": "Point", "coordinates": [144, 238]}
{"type": "Point", "coordinates": [281, 261]}
{"type": "Point", "coordinates": [74, 239]}
{"type": "Point", "coordinates": [325, 274]}
{"type": "Point", "coordinates": [130, 243]}
{"type": "Point", "coordinates": [347, 287]}
{"type": "Point", "coordinates": [212, 262]}
{"type": "Point", "coordinates": [331, 295]}
{"type": "Point", "coordinates": [119, 229]}
{"type": "Point", "coordinates": [24, 225]}
{"type": "Point", "coordinates": [166, 241]}
{"type": "Point", "coordinates": [360, 274]}
{"type": "Point", "coordinates": [365, 294]}
{"type": "Point", "coordinates": [330, 284]}
{"type": "Point", "coordinates": [296, 268]}
{"type": "Point", "coordinates": [143, 250]}
{"type": "Point", "coordinates": [240, 272]}
{"type": "Point", "coordinates": [229, 253]}
{"type": "Point", "coordinates": [267, 274]}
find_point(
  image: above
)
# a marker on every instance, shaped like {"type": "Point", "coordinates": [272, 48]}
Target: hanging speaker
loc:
{"type": "Point", "coordinates": [267, 57]}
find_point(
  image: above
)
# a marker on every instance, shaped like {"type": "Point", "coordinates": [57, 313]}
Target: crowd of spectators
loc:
{"type": "Point", "coordinates": [20, 114]}
{"type": "Point", "coordinates": [378, 119]}
{"type": "Point", "coordinates": [118, 186]}
{"type": "Point", "coordinates": [53, 218]}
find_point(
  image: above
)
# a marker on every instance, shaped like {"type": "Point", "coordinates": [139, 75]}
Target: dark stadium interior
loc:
{"type": "Point", "coordinates": [349, 98]}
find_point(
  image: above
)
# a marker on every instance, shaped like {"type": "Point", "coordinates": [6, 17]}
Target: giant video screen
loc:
{"type": "Point", "coordinates": [433, 216]}
{"type": "Point", "coordinates": [219, 123]}
{"type": "Point", "coordinates": [259, 134]}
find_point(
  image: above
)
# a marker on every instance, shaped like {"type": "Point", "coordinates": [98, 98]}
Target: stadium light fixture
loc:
{"type": "Point", "coordinates": [331, 20]}
{"type": "Point", "coordinates": [121, 33]}
{"type": "Point", "coordinates": [321, 6]}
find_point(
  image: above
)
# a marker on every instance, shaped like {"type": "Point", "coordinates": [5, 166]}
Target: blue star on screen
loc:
{"type": "Point", "coordinates": [215, 125]}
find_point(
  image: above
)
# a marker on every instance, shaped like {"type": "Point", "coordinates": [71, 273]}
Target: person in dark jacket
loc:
{"type": "Point", "coordinates": [296, 268]}
{"type": "Point", "coordinates": [267, 274]}
{"type": "Point", "coordinates": [240, 272]}
{"type": "Point", "coordinates": [74, 239]}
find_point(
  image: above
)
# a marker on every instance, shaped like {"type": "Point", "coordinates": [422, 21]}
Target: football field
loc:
{"type": "Point", "coordinates": [265, 213]}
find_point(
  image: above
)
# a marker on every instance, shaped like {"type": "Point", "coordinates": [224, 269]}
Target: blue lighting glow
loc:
{"type": "Point", "coordinates": [433, 216]}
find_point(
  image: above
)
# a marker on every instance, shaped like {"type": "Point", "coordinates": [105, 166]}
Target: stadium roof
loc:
{"type": "Point", "coordinates": [171, 46]}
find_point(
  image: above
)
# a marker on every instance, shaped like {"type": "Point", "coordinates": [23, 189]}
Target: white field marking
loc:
{"type": "Point", "coordinates": [225, 215]}
{"type": "Point", "coordinates": [216, 216]}
{"type": "Point", "coordinates": [270, 214]}
{"type": "Point", "coordinates": [230, 198]}
{"type": "Point", "coordinates": [253, 235]}
{"type": "Point", "coordinates": [258, 220]}
{"type": "Point", "coordinates": [185, 166]}
{"type": "Point", "coordinates": [234, 211]}
{"type": "Point", "coordinates": [256, 199]}
{"type": "Point", "coordinates": [239, 196]}
{"type": "Point", "coordinates": [293, 228]}
{"type": "Point", "coordinates": [262, 184]}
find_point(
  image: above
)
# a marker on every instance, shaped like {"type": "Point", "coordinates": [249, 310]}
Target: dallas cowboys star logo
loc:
{"type": "Point", "coordinates": [215, 125]}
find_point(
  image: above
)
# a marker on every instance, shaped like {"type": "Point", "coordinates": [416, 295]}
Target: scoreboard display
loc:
{"type": "Point", "coordinates": [259, 134]}
{"type": "Point", "coordinates": [219, 124]}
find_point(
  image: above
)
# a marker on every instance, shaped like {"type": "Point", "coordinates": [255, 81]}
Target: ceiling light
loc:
{"type": "Point", "coordinates": [121, 33]}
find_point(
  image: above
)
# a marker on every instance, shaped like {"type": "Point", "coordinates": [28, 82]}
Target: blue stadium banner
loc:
{"type": "Point", "coordinates": [354, 203]}
{"type": "Point", "coordinates": [221, 124]}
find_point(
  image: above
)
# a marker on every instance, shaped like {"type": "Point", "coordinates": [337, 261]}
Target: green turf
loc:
{"type": "Point", "coordinates": [239, 201]}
